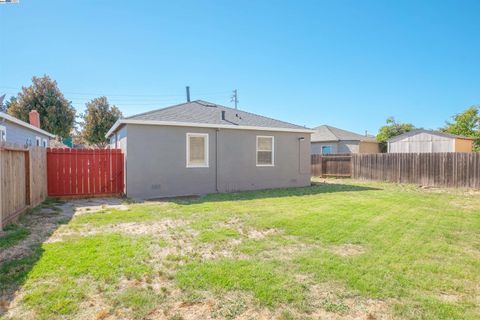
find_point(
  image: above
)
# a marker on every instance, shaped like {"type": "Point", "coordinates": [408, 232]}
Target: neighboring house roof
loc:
{"type": "Point", "coordinates": [433, 132]}
{"type": "Point", "coordinates": [329, 133]}
{"type": "Point", "coordinates": [200, 113]}
{"type": "Point", "coordinates": [24, 124]}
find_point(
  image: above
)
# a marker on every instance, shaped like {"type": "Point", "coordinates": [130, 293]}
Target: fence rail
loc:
{"type": "Point", "coordinates": [23, 181]}
{"type": "Point", "coordinates": [428, 169]}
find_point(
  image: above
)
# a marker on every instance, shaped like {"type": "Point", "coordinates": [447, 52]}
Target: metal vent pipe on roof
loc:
{"type": "Point", "coordinates": [223, 114]}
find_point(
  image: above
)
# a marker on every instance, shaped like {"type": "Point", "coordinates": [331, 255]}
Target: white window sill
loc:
{"type": "Point", "coordinates": [197, 166]}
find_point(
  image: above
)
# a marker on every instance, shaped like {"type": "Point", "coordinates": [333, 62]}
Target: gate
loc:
{"type": "Point", "coordinates": [332, 165]}
{"type": "Point", "coordinates": [84, 172]}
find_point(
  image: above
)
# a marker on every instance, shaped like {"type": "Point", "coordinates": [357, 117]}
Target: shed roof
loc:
{"type": "Point", "coordinates": [432, 132]}
{"type": "Point", "coordinates": [200, 113]}
{"type": "Point", "coordinates": [25, 124]}
{"type": "Point", "coordinates": [329, 133]}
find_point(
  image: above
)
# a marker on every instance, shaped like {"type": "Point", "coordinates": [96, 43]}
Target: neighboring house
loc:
{"type": "Point", "coordinates": [331, 140]}
{"type": "Point", "coordinates": [15, 131]}
{"type": "Point", "coordinates": [422, 141]}
{"type": "Point", "coordinates": [200, 147]}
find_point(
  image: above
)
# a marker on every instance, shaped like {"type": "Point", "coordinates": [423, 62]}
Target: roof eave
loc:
{"type": "Point", "coordinates": [200, 125]}
{"type": "Point", "coordinates": [25, 124]}
{"type": "Point", "coordinates": [313, 141]}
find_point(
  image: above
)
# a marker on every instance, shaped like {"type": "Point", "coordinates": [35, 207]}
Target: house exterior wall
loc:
{"type": "Point", "coordinates": [463, 145]}
{"type": "Point", "coordinates": [421, 143]}
{"type": "Point", "coordinates": [156, 162]}
{"type": "Point", "coordinates": [346, 147]}
{"type": "Point", "coordinates": [119, 141]}
{"type": "Point", "coordinates": [20, 135]}
{"type": "Point", "coordinates": [369, 147]}
{"type": "Point", "coordinates": [237, 161]}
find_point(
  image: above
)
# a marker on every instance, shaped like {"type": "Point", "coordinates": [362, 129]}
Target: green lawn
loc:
{"type": "Point", "coordinates": [345, 249]}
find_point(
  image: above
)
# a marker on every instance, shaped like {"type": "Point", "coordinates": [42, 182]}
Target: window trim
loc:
{"type": "Point", "coordinates": [44, 143]}
{"type": "Point", "coordinates": [273, 152]}
{"type": "Point", "coordinates": [4, 130]}
{"type": "Point", "coordinates": [206, 144]}
{"type": "Point", "coordinates": [38, 141]}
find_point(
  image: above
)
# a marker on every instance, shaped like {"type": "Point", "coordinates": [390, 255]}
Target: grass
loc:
{"type": "Point", "coordinates": [140, 301]}
{"type": "Point", "coordinates": [420, 255]}
{"type": "Point", "coordinates": [270, 286]}
{"type": "Point", "coordinates": [67, 271]}
{"type": "Point", "coordinates": [218, 235]}
{"type": "Point", "coordinates": [13, 235]}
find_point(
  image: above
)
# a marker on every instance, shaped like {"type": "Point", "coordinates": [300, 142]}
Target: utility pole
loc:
{"type": "Point", "coordinates": [235, 98]}
{"type": "Point", "coordinates": [188, 93]}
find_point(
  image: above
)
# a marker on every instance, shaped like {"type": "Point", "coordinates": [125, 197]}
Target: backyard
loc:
{"type": "Point", "coordinates": [342, 249]}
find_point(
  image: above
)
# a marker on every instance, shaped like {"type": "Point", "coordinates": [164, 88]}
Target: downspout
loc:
{"type": "Point", "coordinates": [216, 159]}
{"type": "Point", "coordinates": [300, 141]}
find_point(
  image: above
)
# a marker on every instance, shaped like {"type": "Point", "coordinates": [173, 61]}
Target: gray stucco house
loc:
{"type": "Point", "coordinates": [200, 147]}
{"type": "Point", "coordinates": [15, 131]}
{"type": "Point", "coordinates": [331, 140]}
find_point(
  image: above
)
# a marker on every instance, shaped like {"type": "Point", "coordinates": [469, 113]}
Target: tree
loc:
{"type": "Point", "coordinates": [392, 129]}
{"type": "Point", "coordinates": [3, 106]}
{"type": "Point", "coordinates": [467, 124]}
{"type": "Point", "coordinates": [98, 119]}
{"type": "Point", "coordinates": [56, 113]}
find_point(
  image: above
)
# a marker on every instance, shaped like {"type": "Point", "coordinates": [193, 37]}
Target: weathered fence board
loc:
{"type": "Point", "coordinates": [84, 172]}
{"type": "Point", "coordinates": [23, 181]}
{"type": "Point", "coordinates": [38, 175]}
{"type": "Point", "coordinates": [428, 169]}
{"type": "Point", "coordinates": [331, 165]}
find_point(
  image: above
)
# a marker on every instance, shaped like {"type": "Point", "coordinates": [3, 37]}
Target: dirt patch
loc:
{"type": "Point", "coordinates": [348, 250]}
{"type": "Point", "coordinates": [253, 234]}
{"type": "Point", "coordinates": [452, 298]}
{"type": "Point", "coordinates": [81, 206]}
{"type": "Point", "coordinates": [155, 228]}
{"type": "Point", "coordinates": [261, 234]}
{"type": "Point", "coordinates": [40, 224]}
{"type": "Point", "coordinates": [333, 301]}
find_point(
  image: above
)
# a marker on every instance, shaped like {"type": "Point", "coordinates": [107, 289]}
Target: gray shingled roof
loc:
{"type": "Point", "coordinates": [433, 132]}
{"type": "Point", "coordinates": [329, 133]}
{"type": "Point", "coordinates": [203, 112]}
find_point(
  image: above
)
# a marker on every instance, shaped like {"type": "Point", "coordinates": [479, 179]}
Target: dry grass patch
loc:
{"type": "Point", "coordinates": [347, 250]}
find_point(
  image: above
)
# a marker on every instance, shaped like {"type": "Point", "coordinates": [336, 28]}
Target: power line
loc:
{"type": "Point", "coordinates": [125, 95]}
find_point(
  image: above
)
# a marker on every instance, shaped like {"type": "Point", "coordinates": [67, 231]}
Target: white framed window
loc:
{"type": "Point", "coordinates": [44, 143]}
{"type": "Point", "coordinates": [38, 141]}
{"type": "Point", "coordinates": [3, 133]}
{"type": "Point", "coordinates": [197, 150]}
{"type": "Point", "coordinates": [265, 151]}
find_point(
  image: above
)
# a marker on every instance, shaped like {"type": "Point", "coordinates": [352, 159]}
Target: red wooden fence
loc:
{"type": "Point", "coordinates": [84, 172]}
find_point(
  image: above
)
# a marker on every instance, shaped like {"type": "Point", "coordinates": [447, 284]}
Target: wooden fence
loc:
{"type": "Point", "coordinates": [334, 165]}
{"type": "Point", "coordinates": [23, 180]}
{"type": "Point", "coordinates": [427, 169]}
{"type": "Point", "coordinates": [85, 172]}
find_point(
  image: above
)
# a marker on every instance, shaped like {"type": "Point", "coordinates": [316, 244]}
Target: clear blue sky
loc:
{"type": "Point", "coordinates": [349, 64]}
